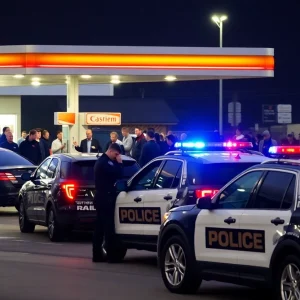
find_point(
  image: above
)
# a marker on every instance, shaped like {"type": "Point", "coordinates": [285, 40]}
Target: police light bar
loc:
{"type": "Point", "coordinates": [202, 145]}
{"type": "Point", "coordinates": [288, 150]}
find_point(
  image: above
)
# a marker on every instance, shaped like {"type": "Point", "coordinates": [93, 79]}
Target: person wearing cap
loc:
{"type": "Point", "coordinates": [108, 169]}
{"type": "Point", "coordinates": [266, 143]}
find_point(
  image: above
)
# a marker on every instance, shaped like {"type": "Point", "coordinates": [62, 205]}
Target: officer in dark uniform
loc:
{"type": "Point", "coordinates": [108, 169]}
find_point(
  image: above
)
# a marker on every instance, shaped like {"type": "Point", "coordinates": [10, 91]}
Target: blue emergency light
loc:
{"type": "Point", "coordinates": [202, 145]}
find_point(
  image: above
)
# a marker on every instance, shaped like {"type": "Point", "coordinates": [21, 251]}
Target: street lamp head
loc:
{"type": "Point", "coordinates": [219, 19]}
{"type": "Point", "coordinates": [215, 19]}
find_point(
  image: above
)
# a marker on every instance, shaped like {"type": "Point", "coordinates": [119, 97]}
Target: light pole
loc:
{"type": "Point", "coordinates": [219, 21]}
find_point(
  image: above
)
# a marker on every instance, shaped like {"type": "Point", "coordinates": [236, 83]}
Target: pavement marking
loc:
{"type": "Point", "coordinates": [23, 241]}
{"type": "Point", "coordinates": [6, 237]}
{"type": "Point", "coordinates": [44, 243]}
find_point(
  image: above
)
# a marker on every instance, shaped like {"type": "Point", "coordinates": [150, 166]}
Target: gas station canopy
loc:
{"type": "Point", "coordinates": [75, 66]}
{"type": "Point", "coordinates": [20, 65]}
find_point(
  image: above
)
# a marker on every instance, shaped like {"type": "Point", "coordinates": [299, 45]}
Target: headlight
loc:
{"type": "Point", "coordinates": [166, 216]}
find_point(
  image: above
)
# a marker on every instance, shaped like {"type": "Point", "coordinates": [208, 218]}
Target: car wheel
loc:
{"type": "Point", "coordinates": [287, 279]}
{"type": "Point", "coordinates": [116, 255]}
{"type": "Point", "coordinates": [54, 230]}
{"type": "Point", "coordinates": [177, 266]}
{"type": "Point", "coordinates": [24, 224]}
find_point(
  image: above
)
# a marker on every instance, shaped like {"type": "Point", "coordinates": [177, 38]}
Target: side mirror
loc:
{"type": "Point", "coordinates": [205, 203]}
{"type": "Point", "coordinates": [121, 186]}
{"type": "Point", "coordinates": [26, 176]}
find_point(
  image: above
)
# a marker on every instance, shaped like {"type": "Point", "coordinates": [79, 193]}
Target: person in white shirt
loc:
{"type": "Point", "coordinates": [127, 140]}
{"type": "Point", "coordinates": [114, 139]}
{"type": "Point", "coordinates": [238, 135]}
{"type": "Point", "coordinates": [57, 145]}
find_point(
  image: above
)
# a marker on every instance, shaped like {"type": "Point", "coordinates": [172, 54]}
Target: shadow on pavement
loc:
{"type": "Point", "coordinates": [234, 293]}
{"type": "Point", "coordinates": [8, 212]}
{"type": "Point", "coordinates": [142, 260]}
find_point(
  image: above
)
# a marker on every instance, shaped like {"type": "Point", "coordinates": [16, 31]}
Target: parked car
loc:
{"type": "Point", "coordinates": [12, 166]}
{"type": "Point", "coordinates": [60, 193]}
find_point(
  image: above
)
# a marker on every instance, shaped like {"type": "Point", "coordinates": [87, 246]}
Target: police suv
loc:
{"type": "Point", "coordinates": [247, 234]}
{"type": "Point", "coordinates": [175, 179]}
{"type": "Point", "coordinates": [60, 194]}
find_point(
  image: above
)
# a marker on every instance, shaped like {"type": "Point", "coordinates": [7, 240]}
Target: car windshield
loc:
{"type": "Point", "coordinates": [9, 158]}
{"type": "Point", "coordinates": [215, 174]}
{"type": "Point", "coordinates": [84, 170]}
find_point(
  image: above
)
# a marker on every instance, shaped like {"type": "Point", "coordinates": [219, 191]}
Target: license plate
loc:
{"type": "Point", "coordinates": [85, 206]}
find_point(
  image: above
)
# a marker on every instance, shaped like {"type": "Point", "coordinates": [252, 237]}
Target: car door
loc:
{"type": "Point", "coordinates": [129, 214]}
{"type": "Point", "coordinates": [268, 214]}
{"type": "Point", "coordinates": [164, 192]}
{"type": "Point", "coordinates": [31, 205]}
{"type": "Point", "coordinates": [217, 231]}
{"type": "Point", "coordinates": [43, 190]}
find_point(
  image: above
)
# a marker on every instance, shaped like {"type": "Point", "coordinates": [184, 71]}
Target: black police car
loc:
{"type": "Point", "coordinates": [12, 166]}
{"type": "Point", "coordinates": [59, 194]}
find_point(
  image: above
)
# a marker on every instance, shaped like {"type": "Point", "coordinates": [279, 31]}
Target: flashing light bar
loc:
{"type": "Point", "coordinates": [284, 150]}
{"type": "Point", "coordinates": [201, 145]}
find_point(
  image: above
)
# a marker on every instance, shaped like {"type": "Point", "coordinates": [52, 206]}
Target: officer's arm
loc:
{"type": "Point", "coordinates": [119, 170]}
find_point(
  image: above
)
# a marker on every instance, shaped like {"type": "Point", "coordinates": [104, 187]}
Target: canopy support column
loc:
{"type": "Point", "coordinates": [77, 131]}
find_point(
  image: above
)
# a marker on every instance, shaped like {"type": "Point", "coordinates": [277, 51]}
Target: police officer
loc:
{"type": "Point", "coordinates": [108, 169]}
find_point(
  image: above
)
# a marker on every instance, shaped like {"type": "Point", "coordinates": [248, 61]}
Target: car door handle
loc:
{"type": "Point", "coordinates": [277, 221]}
{"type": "Point", "coordinates": [168, 197]}
{"type": "Point", "coordinates": [138, 199]}
{"type": "Point", "coordinates": [230, 220]}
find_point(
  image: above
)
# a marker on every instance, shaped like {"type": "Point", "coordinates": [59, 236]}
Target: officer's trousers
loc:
{"type": "Point", "coordinates": [104, 230]}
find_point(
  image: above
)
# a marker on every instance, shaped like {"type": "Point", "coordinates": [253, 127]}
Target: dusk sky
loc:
{"type": "Point", "coordinates": [251, 23]}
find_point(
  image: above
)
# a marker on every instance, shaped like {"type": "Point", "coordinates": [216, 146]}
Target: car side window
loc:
{"type": "Point", "coordinates": [273, 191]}
{"type": "Point", "coordinates": [52, 168]}
{"type": "Point", "coordinates": [237, 194]}
{"type": "Point", "coordinates": [41, 172]}
{"type": "Point", "coordinates": [289, 196]}
{"type": "Point", "coordinates": [170, 175]}
{"type": "Point", "coordinates": [145, 179]}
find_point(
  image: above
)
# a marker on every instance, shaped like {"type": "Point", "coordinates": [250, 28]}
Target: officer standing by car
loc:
{"type": "Point", "coordinates": [108, 169]}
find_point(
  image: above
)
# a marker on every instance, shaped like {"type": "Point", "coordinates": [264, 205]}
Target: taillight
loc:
{"type": "Point", "coordinates": [7, 177]}
{"type": "Point", "coordinates": [205, 193]}
{"type": "Point", "coordinates": [69, 190]}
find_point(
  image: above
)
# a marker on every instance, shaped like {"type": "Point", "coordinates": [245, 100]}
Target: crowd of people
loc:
{"type": "Point", "coordinates": [263, 142]}
{"type": "Point", "coordinates": [143, 146]}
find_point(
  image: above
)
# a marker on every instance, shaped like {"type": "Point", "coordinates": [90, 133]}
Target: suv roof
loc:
{"type": "Point", "coordinates": [210, 157]}
{"type": "Point", "coordinates": [280, 165]}
{"type": "Point", "coordinates": [85, 156]}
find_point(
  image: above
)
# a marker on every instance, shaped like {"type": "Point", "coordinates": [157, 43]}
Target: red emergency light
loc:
{"type": "Point", "coordinates": [289, 150]}
{"type": "Point", "coordinates": [231, 145]}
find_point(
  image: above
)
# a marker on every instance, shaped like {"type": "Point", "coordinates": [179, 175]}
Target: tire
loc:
{"type": "Point", "coordinates": [55, 232]}
{"type": "Point", "coordinates": [117, 255]}
{"type": "Point", "coordinates": [24, 224]}
{"type": "Point", "coordinates": [281, 274]}
{"type": "Point", "coordinates": [188, 281]}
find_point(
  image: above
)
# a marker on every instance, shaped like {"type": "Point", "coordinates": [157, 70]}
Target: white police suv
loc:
{"type": "Point", "coordinates": [178, 178]}
{"type": "Point", "coordinates": [248, 233]}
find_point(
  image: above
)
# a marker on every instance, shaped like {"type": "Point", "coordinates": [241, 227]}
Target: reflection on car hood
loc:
{"type": "Point", "coordinates": [183, 208]}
